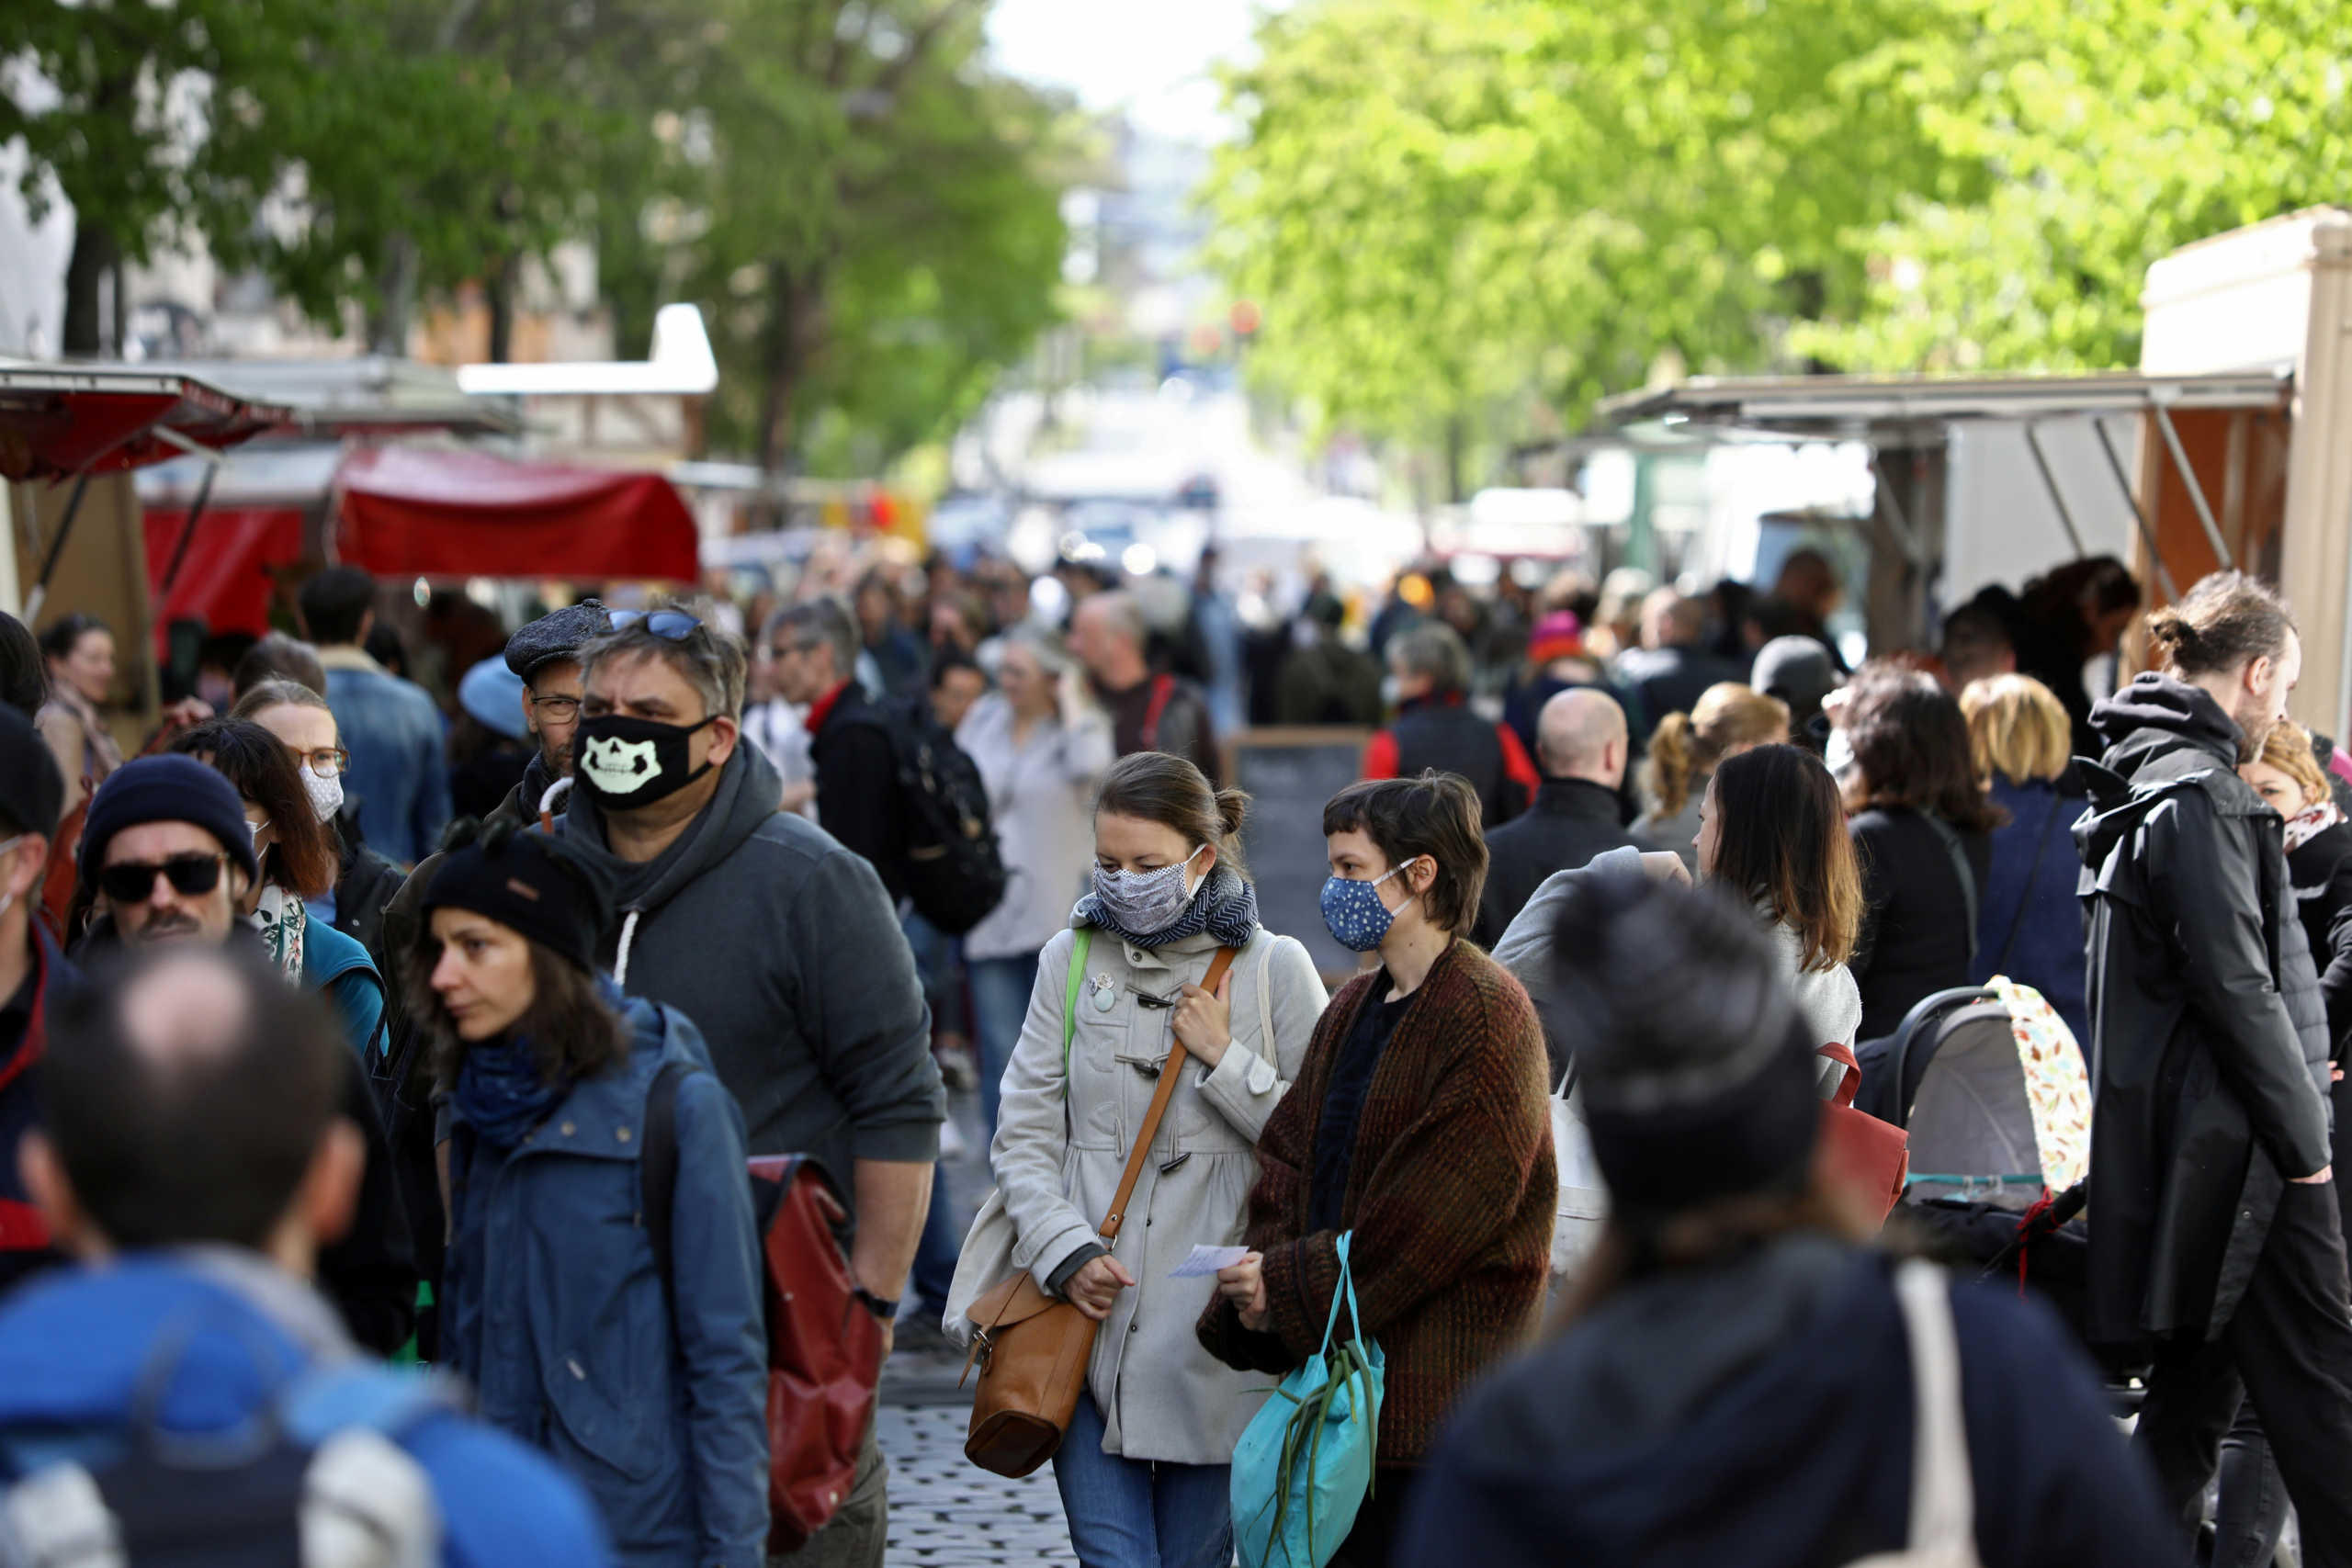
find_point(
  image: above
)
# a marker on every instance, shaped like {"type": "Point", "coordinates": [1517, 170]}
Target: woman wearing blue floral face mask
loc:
{"type": "Point", "coordinates": [1419, 1124]}
{"type": "Point", "coordinates": [1143, 1468]}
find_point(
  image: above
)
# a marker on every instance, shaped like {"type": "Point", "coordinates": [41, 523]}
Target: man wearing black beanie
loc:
{"type": "Point", "coordinates": [33, 974]}
{"type": "Point", "coordinates": [1733, 1379]}
{"type": "Point", "coordinates": [167, 853]}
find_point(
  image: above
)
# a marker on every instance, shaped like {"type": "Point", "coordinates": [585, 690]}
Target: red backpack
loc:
{"type": "Point", "coordinates": [824, 1346]}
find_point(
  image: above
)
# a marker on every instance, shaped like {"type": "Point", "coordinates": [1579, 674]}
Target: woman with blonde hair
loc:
{"type": "Point", "coordinates": [2029, 925]}
{"type": "Point", "coordinates": [1686, 748]}
{"type": "Point", "coordinates": [2319, 860]}
{"type": "Point", "coordinates": [2250, 1508]}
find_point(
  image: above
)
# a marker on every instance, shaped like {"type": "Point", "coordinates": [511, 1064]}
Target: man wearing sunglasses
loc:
{"type": "Point", "coordinates": [168, 856]}
{"type": "Point", "coordinates": [168, 852]}
{"type": "Point", "coordinates": [33, 977]}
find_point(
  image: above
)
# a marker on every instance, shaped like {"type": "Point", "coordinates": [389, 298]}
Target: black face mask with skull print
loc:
{"type": "Point", "coordinates": [624, 764]}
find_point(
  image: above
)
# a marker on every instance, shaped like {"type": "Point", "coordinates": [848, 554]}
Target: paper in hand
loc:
{"type": "Point", "coordinates": [1206, 1260]}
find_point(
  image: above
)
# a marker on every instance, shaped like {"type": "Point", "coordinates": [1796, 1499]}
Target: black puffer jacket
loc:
{"type": "Point", "coordinates": [364, 883]}
{"type": "Point", "coordinates": [2321, 869]}
{"type": "Point", "coordinates": [2209, 1038]}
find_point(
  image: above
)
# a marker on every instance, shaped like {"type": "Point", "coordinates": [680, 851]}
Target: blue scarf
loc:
{"type": "Point", "coordinates": [1224, 906]}
{"type": "Point", "coordinates": [501, 1094]}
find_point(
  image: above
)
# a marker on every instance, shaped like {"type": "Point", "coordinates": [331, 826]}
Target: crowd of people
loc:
{"type": "Point", "coordinates": [341, 1022]}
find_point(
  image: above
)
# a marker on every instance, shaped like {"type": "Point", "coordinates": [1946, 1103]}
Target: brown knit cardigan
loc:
{"type": "Point", "coordinates": [1450, 1197]}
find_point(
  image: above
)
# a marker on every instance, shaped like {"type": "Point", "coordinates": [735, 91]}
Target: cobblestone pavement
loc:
{"type": "Point", "coordinates": [946, 1510]}
{"type": "Point", "coordinates": [943, 1508]}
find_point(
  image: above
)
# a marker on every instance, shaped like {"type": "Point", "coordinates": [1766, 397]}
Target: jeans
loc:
{"type": "Point", "coordinates": [1127, 1513]}
{"type": "Point", "coordinates": [1001, 991]}
{"type": "Point", "coordinates": [935, 1254]}
{"type": "Point", "coordinates": [939, 960]}
{"type": "Point", "coordinates": [2287, 1349]}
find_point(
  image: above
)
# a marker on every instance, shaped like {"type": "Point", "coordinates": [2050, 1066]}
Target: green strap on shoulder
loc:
{"type": "Point", "coordinates": [1070, 1001]}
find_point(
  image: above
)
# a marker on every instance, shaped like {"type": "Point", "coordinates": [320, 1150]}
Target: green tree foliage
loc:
{"type": "Point", "coordinates": [1486, 213]}
{"type": "Point", "coordinates": [869, 215]}
{"type": "Point", "coordinates": [1502, 208]}
{"type": "Point", "coordinates": [877, 227]}
{"type": "Point", "coordinates": [2107, 133]}
{"type": "Point", "coordinates": [293, 135]}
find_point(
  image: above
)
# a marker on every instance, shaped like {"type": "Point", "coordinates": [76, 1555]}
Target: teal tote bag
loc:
{"type": "Point", "coordinates": [1304, 1465]}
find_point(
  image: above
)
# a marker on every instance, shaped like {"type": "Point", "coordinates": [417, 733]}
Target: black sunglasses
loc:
{"type": "Point", "coordinates": [131, 882]}
{"type": "Point", "coordinates": [671, 625]}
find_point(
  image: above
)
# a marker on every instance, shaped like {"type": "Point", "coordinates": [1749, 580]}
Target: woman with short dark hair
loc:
{"type": "Point", "coordinates": [1923, 832]}
{"type": "Point", "coordinates": [1419, 1124]}
{"type": "Point", "coordinates": [650, 1390]}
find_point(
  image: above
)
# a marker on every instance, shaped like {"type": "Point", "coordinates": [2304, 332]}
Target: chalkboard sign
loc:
{"type": "Point", "coordinates": [1290, 773]}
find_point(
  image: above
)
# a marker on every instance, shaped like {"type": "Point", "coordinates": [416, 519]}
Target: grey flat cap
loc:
{"type": "Point", "coordinates": [559, 636]}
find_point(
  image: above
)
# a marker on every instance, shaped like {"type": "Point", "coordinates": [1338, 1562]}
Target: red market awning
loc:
{"type": "Point", "coordinates": [431, 512]}
{"type": "Point", "coordinates": [224, 579]}
{"type": "Point", "coordinates": [57, 422]}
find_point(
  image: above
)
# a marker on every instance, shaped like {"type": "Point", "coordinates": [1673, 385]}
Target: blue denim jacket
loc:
{"type": "Point", "coordinates": [399, 775]}
{"type": "Point", "coordinates": [553, 1307]}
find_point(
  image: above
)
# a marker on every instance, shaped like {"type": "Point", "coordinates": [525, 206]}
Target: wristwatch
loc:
{"type": "Point", "coordinates": [884, 1310]}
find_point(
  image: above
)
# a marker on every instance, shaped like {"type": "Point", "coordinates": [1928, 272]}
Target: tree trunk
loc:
{"type": "Point", "coordinates": [1457, 438]}
{"type": "Point", "coordinates": [796, 328]}
{"type": "Point", "coordinates": [82, 333]}
{"type": "Point", "coordinates": [501, 294]}
{"type": "Point", "coordinates": [395, 298]}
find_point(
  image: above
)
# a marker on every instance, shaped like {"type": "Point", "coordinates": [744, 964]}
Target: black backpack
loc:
{"type": "Point", "coordinates": [955, 868]}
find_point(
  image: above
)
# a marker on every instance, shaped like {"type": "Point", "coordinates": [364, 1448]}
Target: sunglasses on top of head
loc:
{"type": "Point", "coordinates": [671, 625]}
{"type": "Point", "coordinates": [133, 882]}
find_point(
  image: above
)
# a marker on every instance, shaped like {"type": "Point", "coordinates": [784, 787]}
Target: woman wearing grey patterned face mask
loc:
{"type": "Point", "coordinates": [1144, 1468]}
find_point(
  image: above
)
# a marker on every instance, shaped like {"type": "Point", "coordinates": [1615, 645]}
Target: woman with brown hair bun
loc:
{"type": "Point", "coordinates": [1419, 1128]}
{"type": "Point", "coordinates": [1733, 1379]}
{"type": "Point", "coordinates": [1143, 1470]}
{"type": "Point", "coordinates": [1772, 832]}
{"type": "Point", "coordinates": [1686, 748]}
{"type": "Point", "coordinates": [1922, 831]}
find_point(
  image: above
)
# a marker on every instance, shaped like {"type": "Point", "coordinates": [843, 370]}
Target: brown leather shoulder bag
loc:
{"type": "Point", "coordinates": [1033, 1348]}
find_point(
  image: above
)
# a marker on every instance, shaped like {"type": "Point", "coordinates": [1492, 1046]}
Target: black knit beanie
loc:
{"type": "Point", "coordinates": [1692, 1057]}
{"type": "Point", "coordinates": [523, 881]}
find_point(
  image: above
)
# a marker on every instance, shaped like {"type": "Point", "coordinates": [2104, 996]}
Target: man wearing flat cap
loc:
{"type": "Point", "coordinates": [546, 654]}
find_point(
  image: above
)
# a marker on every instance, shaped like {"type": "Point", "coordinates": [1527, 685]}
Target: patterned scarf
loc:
{"type": "Point", "coordinates": [2309, 823]}
{"type": "Point", "coordinates": [1224, 906]}
{"type": "Point", "coordinates": [282, 919]}
{"type": "Point", "coordinates": [501, 1094]}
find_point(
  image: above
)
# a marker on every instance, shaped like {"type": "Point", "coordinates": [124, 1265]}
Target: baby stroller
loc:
{"type": "Point", "coordinates": [1990, 1087]}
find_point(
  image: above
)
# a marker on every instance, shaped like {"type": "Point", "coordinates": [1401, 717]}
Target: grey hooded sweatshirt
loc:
{"type": "Point", "coordinates": [783, 949]}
